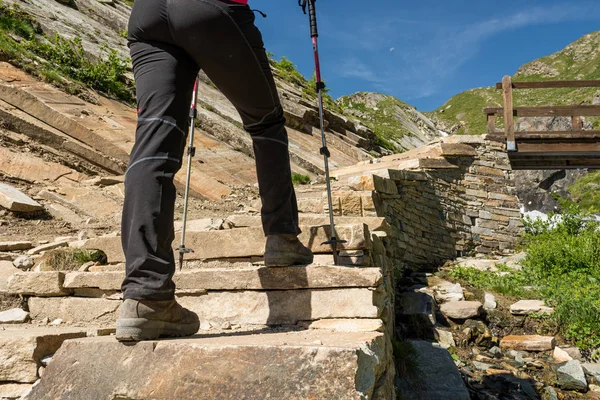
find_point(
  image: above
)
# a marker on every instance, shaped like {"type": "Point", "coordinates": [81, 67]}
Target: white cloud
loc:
{"type": "Point", "coordinates": [392, 49]}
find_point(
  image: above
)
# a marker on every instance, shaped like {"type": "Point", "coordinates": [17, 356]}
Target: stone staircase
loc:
{"type": "Point", "coordinates": [320, 331]}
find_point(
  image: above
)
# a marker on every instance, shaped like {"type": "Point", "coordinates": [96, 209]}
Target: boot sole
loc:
{"type": "Point", "coordinates": [285, 259]}
{"type": "Point", "coordinates": [138, 329]}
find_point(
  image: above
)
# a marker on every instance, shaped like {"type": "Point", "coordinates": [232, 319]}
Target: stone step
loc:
{"type": "Point", "coordinates": [244, 242]}
{"type": "Point", "coordinates": [307, 219]}
{"type": "Point", "coordinates": [273, 307]}
{"type": "Point", "coordinates": [257, 278]}
{"type": "Point", "coordinates": [22, 348]}
{"type": "Point", "coordinates": [276, 365]}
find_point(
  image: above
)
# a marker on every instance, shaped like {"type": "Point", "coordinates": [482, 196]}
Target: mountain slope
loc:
{"type": "Point", "coordinates": [580, 60]}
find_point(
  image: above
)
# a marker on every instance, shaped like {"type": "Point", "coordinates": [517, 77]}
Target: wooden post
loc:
{"type": "Point", "coordinates": [491, 121]}
{"type": "Point", "coordinates": [577, 124]}
{"type": "Point", "coordinates": [509, 122]}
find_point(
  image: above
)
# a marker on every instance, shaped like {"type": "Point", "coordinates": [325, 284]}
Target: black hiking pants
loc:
{"type": "Point", "coordinates": [170, 41]}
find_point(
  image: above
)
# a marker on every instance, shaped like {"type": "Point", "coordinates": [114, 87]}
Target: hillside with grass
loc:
{"type": "Point", "coordinates": [580, 60]}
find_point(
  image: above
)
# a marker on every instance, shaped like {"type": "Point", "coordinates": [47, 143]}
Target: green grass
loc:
{"type": "Point", "coordinates": [60, 61]}
{"type": "Point", "coordinates": [586, 192]}
{"type": "Point", "coordinates": [72, 259]}
{"type": "Point", "coordinates": [382, 118]}
{"type": "Point", "coordinates": [562, 267]}
{"type": "Point", "coordinates": [299, 179]}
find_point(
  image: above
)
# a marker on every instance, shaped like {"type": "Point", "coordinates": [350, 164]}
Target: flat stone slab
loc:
{"type": "Point", "coordinates": [348, 325]}
{"type": "Point", "coordinates": [527, 343]}
{"type": "Point", "coordinates": [244, 242]}
{"type": "Point", "coordinates": [433, 375]}
{"type": "Point", "coordinates": [15, 246]}
{"type": "Point", "coordinates": [22, 349]}
{"type": "Point", "coordinates": [299, 365]}
{"type": "Point", "coordinates": [14, 316]}
{"type": "Point", "coordinates": [526, 307]}
{"type": "Point", "coordinates": [263, 278]}
{"type": "Point", "coordinates": [49, 283]}
{"type": "Point", "coordinates": [7, 269]}
{"type": "Point", "coordinates": [48, 246]}
{"type": "Point", "coordinates": [13, 390]}
{"type": "Point", "coordinates": [75, 309]}
{"type": "Point", "coordinates": [461, 309]}
{"type": "Point", "coordinates": [15, 200]}
{"type": "Point", "coordinates": [274, 307]}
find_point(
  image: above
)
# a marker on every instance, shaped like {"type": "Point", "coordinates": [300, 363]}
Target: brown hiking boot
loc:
{"type": "Point", "coordinates": [148, 320]}
{"type": "Point", "coordinates": [284, 250]}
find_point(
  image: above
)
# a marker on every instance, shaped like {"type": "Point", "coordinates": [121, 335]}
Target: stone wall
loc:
{"type": "Point", "coordinates": [460, 205]}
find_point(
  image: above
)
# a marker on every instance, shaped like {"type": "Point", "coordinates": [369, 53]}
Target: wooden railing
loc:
{"type": "Point", "coordinates": [509, 112]}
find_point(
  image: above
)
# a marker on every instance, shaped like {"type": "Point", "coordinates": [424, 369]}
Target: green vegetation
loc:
{"type": "Point", "coordinates": [578, 61]}
{"type": "Point", "coordinates": [299, 179]}
{"type": "Point", "coordinates": [57, 60]}
{"type": "Point", "coordinates": [562, 267]}
{"type": "Point", "coordinates": [383, 118]}
{"type": "Point", "coordinates": [586, 192]}
{"type": "Point", "coordinates": [72, 259]}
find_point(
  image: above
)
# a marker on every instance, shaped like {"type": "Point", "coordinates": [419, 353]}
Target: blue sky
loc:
{"type": "Point", "coordinates": [425, 51]}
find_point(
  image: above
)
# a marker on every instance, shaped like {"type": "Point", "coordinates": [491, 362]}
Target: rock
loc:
{"type": "Point", "coordinates": [101, 280]}
{"type": "Point", "coordinates": [526, 307]}
{"type": "Point", "coordinates": [489, 302]}
{"type": "Point", "coordinates": [22, 349]}
{"type": "Point", "coordinates": [495, 351]}
{"type": "Point", "coordinates": [14, 200]}
{"type": "Point", "coordinates": [594, 388]}
{"type": "Point", "coordinates": [15, 246]}
{"type": "Point", "coordinates": [551, 393]}
{"type": "Point", "coordinates": [420, 305]}
{"type": "Point", "coordinates": [445, 338]}
{"type": "Point", "coordinates": [45, 361]}
{"type": "Point", "coordinates": [201, 225]}
{"type": "Point", "coordinates": [37, 284]}
{"type": "Point", "coordinates": [482, 366]}
{"type": "Point", "coordinates": [571, 376]}
{"type": "Point", "coordinates": [436, 376]}
{"type": "Point", "coordinates": [573, 352]}
{"type": "Point", "coordinates": [81, 310]}
{"type": "Point", "coordinates": [461, 309]}
{"type": "Point", "coordinates": [48, 246]}
{"type": "Point", "coordinates": [14, 316]}
{"type": "Point", "coordinates": [23, 262]}
{"type": "Point", "coordinates": [56, 322]}
{"type": "Point", "coordinates": [449, 292]}
{"type": "Point", "coordinates": [105, 180]}
{"type": "Point", "coordinates": [527, 343]}
{"type": "Point", "coordinates": [13, 391]}
{"type": "Point", "coordinates": [348, 325]}
{"type": "Point", "coordinates": [278, 365]}
{"type": "Point", "coordinates": [226, 326]}
{"type": "Point", "coordinates": [478, 332]}
{"type": "Point", "coordinates": [592, 370]}
{"type": "Point", "coordinates": [560, 355]}
{"type": "Point", "coordinates": [6, 271]}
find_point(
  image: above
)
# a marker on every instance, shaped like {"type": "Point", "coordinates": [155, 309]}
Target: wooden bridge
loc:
{"type": "Point", "coordinates": [573, 149]}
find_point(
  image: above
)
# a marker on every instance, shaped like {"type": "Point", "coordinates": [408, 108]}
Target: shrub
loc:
{"type": "Point", "coordinates": [563, 267]}
{"type": "Point", "coordinates": [299, 179]}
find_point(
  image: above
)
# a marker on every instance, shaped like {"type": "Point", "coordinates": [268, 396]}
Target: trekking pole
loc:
{"type": "Point", "coordinates": [314, 34]}
{"type": "Point", "coordinates": [191, 152]}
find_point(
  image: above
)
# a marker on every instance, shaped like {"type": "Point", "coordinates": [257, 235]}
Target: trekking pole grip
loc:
{"type": "Point", "coordinates": [312, 12]}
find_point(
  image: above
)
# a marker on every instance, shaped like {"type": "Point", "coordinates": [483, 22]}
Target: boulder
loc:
{"type": "Point", "coordinates": [559, 355]}
{"type": "Point", "coordinates": [570, 376]}
{"type": "Point", "coordinates": [461, 309]}
{"type": "Point", "coordinates": [348, 325]}
{"type": "Point", "coordinates": [489, 302]}
{"type": "Point", "coordinates": [23, 262]}
{"type": "Point", "coordinates": [592, 370]}
{"type": "Point", "coordinates": [14, 200]}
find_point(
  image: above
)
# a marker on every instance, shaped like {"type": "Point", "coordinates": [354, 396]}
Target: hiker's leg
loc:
{"type": "Point", "coordinates": [164, 76]}
{"type": "Point", "coordinates": [230, 50]}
